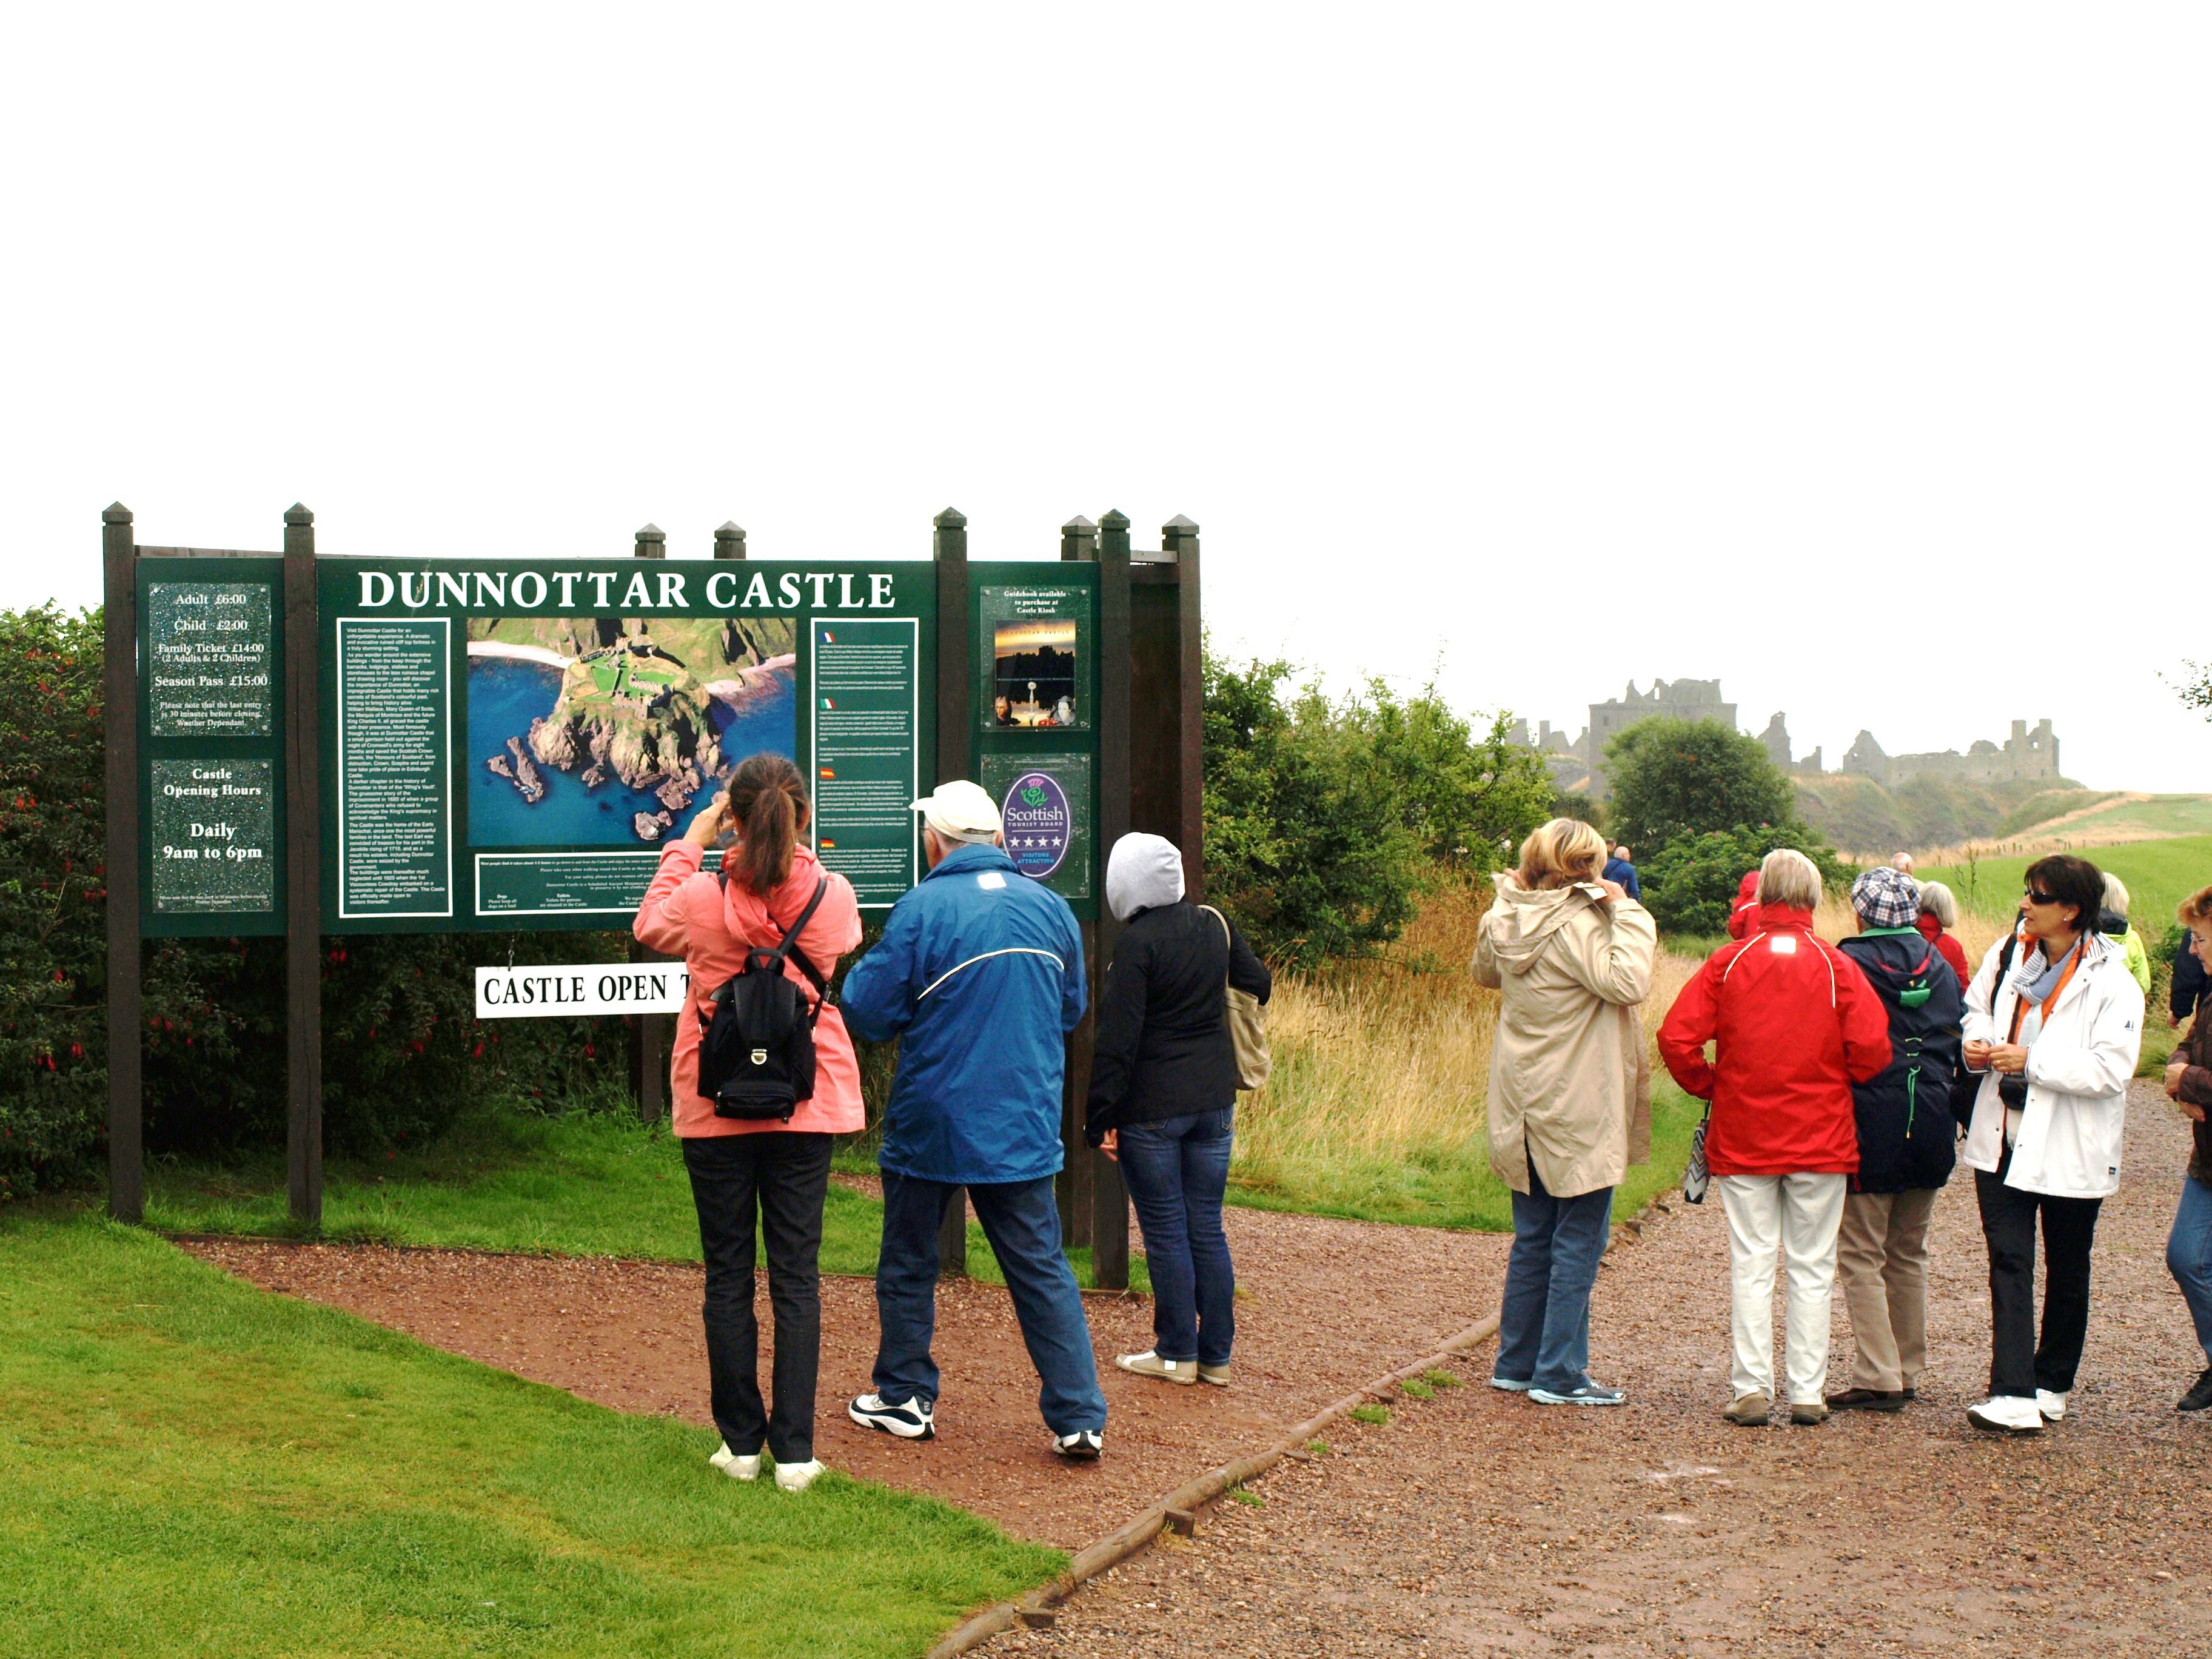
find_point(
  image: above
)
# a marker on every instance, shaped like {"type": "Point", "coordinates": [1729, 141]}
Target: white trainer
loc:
{"type": "Point", "coordinates": [2007, 1414]}
{"type": "Point", "coordinates": [798, 1477]}
{"type": "Point", "coordinates": [737, 1467]}
{"type": "Point", "coordinates": [2052, 1406]}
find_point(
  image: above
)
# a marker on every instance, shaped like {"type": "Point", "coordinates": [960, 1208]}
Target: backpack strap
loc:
{"type": "Point", "coordinates": [789, 950]}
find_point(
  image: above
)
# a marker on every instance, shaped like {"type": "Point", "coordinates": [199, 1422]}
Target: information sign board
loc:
{"type": "Point", "coordinates": [510, 742]}
{"type": "Point", "coordinates": [210, 757]}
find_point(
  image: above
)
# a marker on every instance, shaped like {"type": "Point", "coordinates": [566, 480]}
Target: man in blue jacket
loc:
{"type": "Point", "coordinates": [980, 976]}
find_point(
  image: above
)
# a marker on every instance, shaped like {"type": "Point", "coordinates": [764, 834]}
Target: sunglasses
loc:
{"type": "Point", "coordinates": [2036, 895]}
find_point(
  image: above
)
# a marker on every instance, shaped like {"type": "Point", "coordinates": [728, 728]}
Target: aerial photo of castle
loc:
{"type": "Point", "coordinates": [2027, 755]}
{"type": "Point", "coordinates": [647, 714]}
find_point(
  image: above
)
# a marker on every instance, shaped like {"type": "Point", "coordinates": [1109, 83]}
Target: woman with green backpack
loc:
{"type": "Point", "coordinates": [1907, 1143]}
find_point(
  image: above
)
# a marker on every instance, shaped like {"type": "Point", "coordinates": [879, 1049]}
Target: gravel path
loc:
{"type": "Point", "coordinates": [1478, 1523]}
{"type": "Point", "coordinates": [1323, 1307]}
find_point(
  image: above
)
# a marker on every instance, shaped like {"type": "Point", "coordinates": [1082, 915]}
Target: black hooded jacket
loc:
{"type": "Point", "coordinates": [1163, 1048]}
{"type": "Point", "coordinates": [1908, 1138]}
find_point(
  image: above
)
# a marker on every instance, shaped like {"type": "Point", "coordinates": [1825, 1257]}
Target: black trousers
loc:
{"type": "Point", "coordinates": [786, 1176]}
{"type": "Point", "coordinates": [2019, 1364]}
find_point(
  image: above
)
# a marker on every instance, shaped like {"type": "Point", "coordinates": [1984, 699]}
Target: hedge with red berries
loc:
{"type": "Point", "coordinates": [403, 1054]}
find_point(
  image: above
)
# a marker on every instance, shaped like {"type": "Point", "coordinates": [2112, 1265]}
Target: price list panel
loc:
{"type": "Point", "coordinates": [210, 746]}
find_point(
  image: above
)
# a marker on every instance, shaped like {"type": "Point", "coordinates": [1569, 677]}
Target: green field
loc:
{"type": "Point", "coordinates": [1457, 1190]}
{"type": "Point", "coordinates": [194, 1467]}
{"type": "Point", "coordinates": [2170, 815]}
{"type": "Point", "coordinates": [587, 1184]}
{"type": "Point", "coordinates": [2159, 874]}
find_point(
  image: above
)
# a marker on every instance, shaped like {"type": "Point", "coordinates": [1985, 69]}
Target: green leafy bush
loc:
{"type": "Point", "coordinates": [1324, 820]}
{"type": "Point", "coordinates": [53, 1031]}
{"type": "Point", "coordinates": [403, 1054]}
{"type": "Point", "coordinates": [1672, 777]}
{"type": "Point", "coordinates": [1690, 884]}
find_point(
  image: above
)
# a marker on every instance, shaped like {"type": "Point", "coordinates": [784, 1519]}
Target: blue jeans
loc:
{"type": "Point", "coordinates": [2188, 1256]}
{"type": "Point", "coordinates": [1177, 1169]}
{"type": "Point", "coordinates": [1022, 1221]}
{"type": "Point", "coordinates": [1543, 1324]}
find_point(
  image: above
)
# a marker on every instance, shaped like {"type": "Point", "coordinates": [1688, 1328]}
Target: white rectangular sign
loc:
{"type": "Point", "coordinates": [611, 987]}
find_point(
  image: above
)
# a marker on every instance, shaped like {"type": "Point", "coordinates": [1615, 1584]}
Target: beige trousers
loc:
{"type": "Point", "coordinates": [1881, 1256]}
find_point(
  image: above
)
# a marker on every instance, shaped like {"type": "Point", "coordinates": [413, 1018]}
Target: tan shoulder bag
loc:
{"type": "Point", "coordinates": [1248, 1022]}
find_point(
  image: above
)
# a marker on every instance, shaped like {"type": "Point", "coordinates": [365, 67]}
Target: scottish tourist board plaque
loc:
{"type": "Point", "coordinates": [1045, 804]}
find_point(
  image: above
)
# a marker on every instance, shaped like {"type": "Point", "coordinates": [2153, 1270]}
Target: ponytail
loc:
{"type": "Point", "coordinates": [768, 804]}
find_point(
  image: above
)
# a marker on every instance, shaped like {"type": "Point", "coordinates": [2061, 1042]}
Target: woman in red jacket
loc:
{"type": "Point", "coordinates": [1746, 905]}
{"type": "Point", "coordinates": [1795, 1024]}
{"type": "Point", "coordinates": [1939, 914]}
{"type": "Point", "coordinates": [739, 1168]}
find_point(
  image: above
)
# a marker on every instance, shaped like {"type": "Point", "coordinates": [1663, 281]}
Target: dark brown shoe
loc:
{"type": "Point", "coordinates": [1869, 1400]}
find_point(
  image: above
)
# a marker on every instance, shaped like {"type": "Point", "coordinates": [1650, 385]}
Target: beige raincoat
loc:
{"type": "Point", "coordinates": [1570, 1071]}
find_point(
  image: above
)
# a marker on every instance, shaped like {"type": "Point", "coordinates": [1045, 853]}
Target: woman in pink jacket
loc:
{"type": "Point", "coordinates": [782, 1167]}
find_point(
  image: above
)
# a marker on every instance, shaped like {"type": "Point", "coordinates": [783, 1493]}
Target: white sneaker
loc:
{"type": "Point", "coordinates": [1080, 1447]}
{"type": "Point", "coordinates": [737, 1467]}
{"type": "Point", "coordinates": [915, 1421]}
{"type": "Point", "coordinates": [2052, 1406]}
{"type": "Point", "coordinates": [2007, 1414]}
{"type": "Point", "coordinates": [798, 1477]}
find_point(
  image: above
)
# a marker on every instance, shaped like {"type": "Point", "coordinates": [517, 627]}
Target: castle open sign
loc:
{"type": "Point", "coordinates": [613, 987]}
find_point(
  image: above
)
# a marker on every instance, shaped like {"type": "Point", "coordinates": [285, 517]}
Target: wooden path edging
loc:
{"type": "Point", "coordinates": [1133, 1536]}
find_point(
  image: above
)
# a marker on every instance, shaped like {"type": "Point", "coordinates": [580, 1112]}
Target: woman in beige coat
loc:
{"type": "Point", "coordinates": [1570, 1094]}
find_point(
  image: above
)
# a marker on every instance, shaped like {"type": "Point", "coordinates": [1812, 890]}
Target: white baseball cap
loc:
{"type": "Point", "coordinates": [960, 811]}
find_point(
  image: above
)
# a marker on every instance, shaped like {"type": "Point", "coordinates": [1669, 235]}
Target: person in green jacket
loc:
{"type": "Point", "coordinates": [2113, 924]}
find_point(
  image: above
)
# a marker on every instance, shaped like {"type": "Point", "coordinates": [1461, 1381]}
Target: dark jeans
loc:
{"type": "Point", "coordinates": [1022, 1221]}
{"type": "Point", "coordinates": [2018, 1365]}
{"type": "Point", "coordinates": [1177, 1169]}
{"type": "Point", "coordinates": [788, 1174]}
{"type": "Point", "coordinates": [1543, 1322]}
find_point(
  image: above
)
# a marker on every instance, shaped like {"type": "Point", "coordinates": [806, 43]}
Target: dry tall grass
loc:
{"type": "Point", "coordinates": [1381, 1071]}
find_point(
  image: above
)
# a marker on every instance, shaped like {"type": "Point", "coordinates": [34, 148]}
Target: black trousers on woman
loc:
{"type": "Point", "coordinates": [2019, 1364]}
{"type": "Point", "coordinates": [785, 1176]}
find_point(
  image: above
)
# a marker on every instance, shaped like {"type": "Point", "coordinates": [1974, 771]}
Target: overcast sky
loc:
{"type": "Point", "coordinates": [1855, 357]}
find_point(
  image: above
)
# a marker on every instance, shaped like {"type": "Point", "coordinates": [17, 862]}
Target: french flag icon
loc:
{"type": "Point", "coordinates": [828, 638]}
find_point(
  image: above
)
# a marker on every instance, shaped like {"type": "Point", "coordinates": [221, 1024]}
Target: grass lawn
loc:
{"type": "Point", "coordinates": [194, 1467]}
{"type": "Point", "coordinates": [587, 1184]}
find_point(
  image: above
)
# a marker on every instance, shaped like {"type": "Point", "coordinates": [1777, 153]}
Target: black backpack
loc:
{"type": "Point", "coordinates": [756, 1033]}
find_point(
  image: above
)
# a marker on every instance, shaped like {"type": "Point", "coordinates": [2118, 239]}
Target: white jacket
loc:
{"type": "Point", "coordinates": [2077, 1075]}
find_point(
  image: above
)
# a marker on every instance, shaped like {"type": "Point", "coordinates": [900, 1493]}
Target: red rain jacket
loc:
{"type": "Point", "coordinates": [1947, 946]}
{"type": "Point", "coordinates": [1796, 1024]}
{"type": "Point", "coordinates": [1746, 905]}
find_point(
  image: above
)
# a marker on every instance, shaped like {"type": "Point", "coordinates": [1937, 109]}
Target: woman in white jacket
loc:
{"type": "Point", "coordinates": [1570, 1102]}
{"type": "Point", "coordinates": [2055, 1025]}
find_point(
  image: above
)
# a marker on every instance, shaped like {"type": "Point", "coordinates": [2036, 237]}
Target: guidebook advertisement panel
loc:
{"type": "Point", "coordinates": [583, 715]}
{"type": "Point", "coordinates": [1034, 645]}
{"type": "Point", "coordinates": [210, 746]}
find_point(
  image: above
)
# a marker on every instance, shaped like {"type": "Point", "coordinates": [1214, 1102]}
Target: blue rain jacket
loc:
{"type": "Point", "coordinates": [980, 976]}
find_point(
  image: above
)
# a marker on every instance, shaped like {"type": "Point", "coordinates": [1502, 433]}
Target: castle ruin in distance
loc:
{"type": "Point", "coordinates": [1580, 766]}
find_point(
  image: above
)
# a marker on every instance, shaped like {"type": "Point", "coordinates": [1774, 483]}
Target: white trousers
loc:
{"type": "Point", "coordinates": [1799, 1215]}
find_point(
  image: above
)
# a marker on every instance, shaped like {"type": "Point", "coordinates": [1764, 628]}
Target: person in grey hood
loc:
{"type": "Point", "coordinates": [1163, 1096]}
{"type": "Point", "coordinates": [1570, 1102]}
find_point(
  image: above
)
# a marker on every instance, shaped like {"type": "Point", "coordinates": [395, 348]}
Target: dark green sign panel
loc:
{"type": "Point", "coordinates": [210, 746]}
{"type": "Point", "coordinates": [509, 744]}
{"type": "Point", "coordinates": [1036, 739]}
